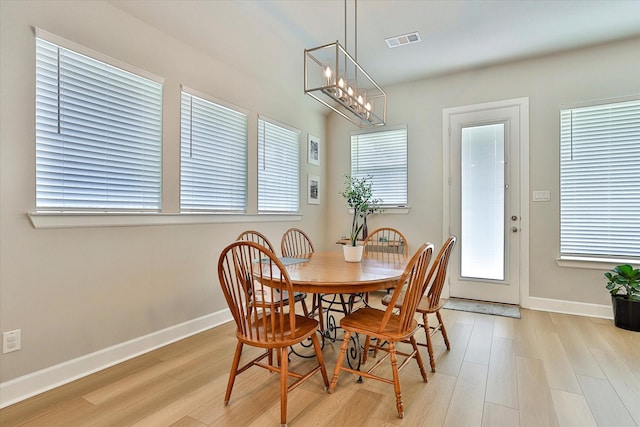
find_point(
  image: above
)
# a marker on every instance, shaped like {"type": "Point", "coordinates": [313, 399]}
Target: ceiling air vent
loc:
{"type": "Point", "coordinates": [403, 39]}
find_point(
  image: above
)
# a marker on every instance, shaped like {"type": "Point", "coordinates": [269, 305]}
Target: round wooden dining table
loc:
{"type": "Point", "coordinates": [329, 273]}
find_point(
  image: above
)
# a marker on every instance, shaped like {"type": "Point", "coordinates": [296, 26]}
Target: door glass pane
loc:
{"type": "Point", "coordinates": [482, 204]}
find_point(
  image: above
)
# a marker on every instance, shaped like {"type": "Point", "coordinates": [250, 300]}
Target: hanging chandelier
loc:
{"type": "Point", "coordinates": [334, 77]}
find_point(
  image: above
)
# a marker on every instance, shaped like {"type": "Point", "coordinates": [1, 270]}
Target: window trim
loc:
{"type": "Point", "coordinates": [94, 54]}
{"type": "Point", "coordinates": [46, 220]}
{"type": "Point", "coordinates": [586, 263]}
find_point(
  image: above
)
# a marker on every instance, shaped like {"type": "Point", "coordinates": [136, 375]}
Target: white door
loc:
{"type": "Point", "coordinates": [485, 206]}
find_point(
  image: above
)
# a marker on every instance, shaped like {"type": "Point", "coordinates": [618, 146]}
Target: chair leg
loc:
{"type": "Point", "coordinates": [427, 332]}
{"type": "Point", "coordinates": [379, 342]}
{"type": "Point", "coordinates": [367, 344]}
{"type": "Point", "coordinates": [412, 339]}
{"type": "Point", "coordinates": [396, 379]}
{"type": "Point", "coordinates": [323, 370]}
{"type": "Point", "coordinates": [233, 372]}
{"type": "Point", "coordinates": [283, 385]}
{"type": "Point", "coordinates": [443, 330]}
{"type": "Point", "coordinates": [336, 372]}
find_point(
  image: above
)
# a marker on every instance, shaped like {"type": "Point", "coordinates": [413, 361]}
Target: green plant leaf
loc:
{"type": "Point", "coordinates": [626, 279]}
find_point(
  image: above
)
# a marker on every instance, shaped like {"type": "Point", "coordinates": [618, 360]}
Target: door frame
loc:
{"type": "Point", "coordinates": [523, 163]}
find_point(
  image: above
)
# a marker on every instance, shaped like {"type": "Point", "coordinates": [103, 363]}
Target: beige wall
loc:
{"type": "Point", "coordinates": [606, 71]}
{"type": "Point", "coordinates": [75, 291]}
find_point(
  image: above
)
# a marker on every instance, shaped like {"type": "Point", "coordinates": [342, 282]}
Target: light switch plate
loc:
{"type": "Point", "coordinates": [541, 196]}
{"type": "Point", "coordinates": [11, 341]}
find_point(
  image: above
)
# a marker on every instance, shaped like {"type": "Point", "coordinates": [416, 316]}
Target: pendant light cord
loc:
{"type": "Point", "coordinates": [355, 28]}
{"type": "Point", "coordinates": [345, 26]}
{"type": "Point", "coordinates": [355, 34]}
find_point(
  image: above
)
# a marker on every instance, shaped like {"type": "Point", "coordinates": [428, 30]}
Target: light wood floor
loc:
{"type": "Point", "coordinates": [542, 370]}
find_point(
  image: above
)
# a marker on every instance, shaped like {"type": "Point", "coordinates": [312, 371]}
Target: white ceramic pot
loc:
{"type": "Point", "coordinates": [352, 253]}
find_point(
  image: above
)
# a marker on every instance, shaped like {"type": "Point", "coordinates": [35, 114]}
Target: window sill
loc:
{"type": "Point", "coordinates": [592, 263]}
{"type": "Point", "coordinates": [83, 220]}
{"type": "Point", "coordinates": [393, 210]}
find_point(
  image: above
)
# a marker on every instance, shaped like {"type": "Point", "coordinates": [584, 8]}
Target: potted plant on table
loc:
{"type": "Point", "coordinates": [623, 282]}
{"type": "Point", "coordinates": [359, 195]}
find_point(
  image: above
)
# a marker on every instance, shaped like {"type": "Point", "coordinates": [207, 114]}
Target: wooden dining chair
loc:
{"type": "Point", "coordinates": [244, 270]}
{"type": "Point", "coordinates": [385, 243]}
{"type": "Point", "coordinates": [389, 327]}
{"type": "Point", "coordinates": [296, 244]}
{"type": "Point", "coordinates": [261, 239]}
{"type": "Point", "coordinates": [257, 237]}
{"type": "Point", "coordinates": [431, 302]}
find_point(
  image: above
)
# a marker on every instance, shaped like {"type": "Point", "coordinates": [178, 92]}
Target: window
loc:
{"type": "Point", "coordinates": [383, 155]}
{"type": "Point", "coordinates": [278, 168]}
{"type": "Point", "coordinates": [600, 180]}
{"type": "Point", "coordinates": [98, 134]}
{"type": "Point", "coordinates": [213, 156]}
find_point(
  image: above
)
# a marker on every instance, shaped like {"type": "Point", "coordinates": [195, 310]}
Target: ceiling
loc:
{"type": "Point", "coordinates": [456, 35]}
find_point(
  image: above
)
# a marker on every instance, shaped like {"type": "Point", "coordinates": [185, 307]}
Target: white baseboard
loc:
{"type": "Point", "coordinates": [559, 306]}
{"type": "Point", "coordinates": [21, 388]}
{"type": "Point", "coordinates": [569, 307]}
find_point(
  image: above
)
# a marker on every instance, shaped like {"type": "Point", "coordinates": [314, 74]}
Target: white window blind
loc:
{"type": "Point", "coordinates": [278, 168]}
{"type": "Point", "coordinates": [98, 134]}
{"type": "Point", "coordinates": [600, 180]}
{"type": "Point", "coordinates": [213, 156]}
{"type": "Point", "coordinates": [383, 156]}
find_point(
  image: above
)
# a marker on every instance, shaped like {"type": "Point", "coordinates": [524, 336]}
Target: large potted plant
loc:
{"type": "Point", "coordinates": [623, 282]}
{"type": "Point", "coordinates": [359, 195]}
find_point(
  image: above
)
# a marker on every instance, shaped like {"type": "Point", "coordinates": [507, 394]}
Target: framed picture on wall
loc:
{"type": "Point", "coordinates": [313, 189]}
{"type": "Point", "coordinates": [313, 150]}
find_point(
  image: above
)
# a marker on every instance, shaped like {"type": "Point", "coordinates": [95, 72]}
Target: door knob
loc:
{"type": "Point", "coordinates": [514, 229]}
{"type": "Point", "coordinates": [514, 218]}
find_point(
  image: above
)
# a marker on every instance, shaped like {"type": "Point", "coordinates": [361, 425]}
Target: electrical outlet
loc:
{"type": "Point", "coordinates": [11, 341]}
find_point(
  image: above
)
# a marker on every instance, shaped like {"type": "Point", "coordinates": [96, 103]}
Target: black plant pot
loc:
{"type": "Point", "coordinates": [626, 313]}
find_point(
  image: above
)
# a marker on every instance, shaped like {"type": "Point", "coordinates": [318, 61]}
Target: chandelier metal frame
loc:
{"type": "Point", "coordinates": [334, 78]}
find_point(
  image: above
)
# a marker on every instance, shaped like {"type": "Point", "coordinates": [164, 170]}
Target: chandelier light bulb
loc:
{"type": "Point", "coordinates": [327, 74]}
